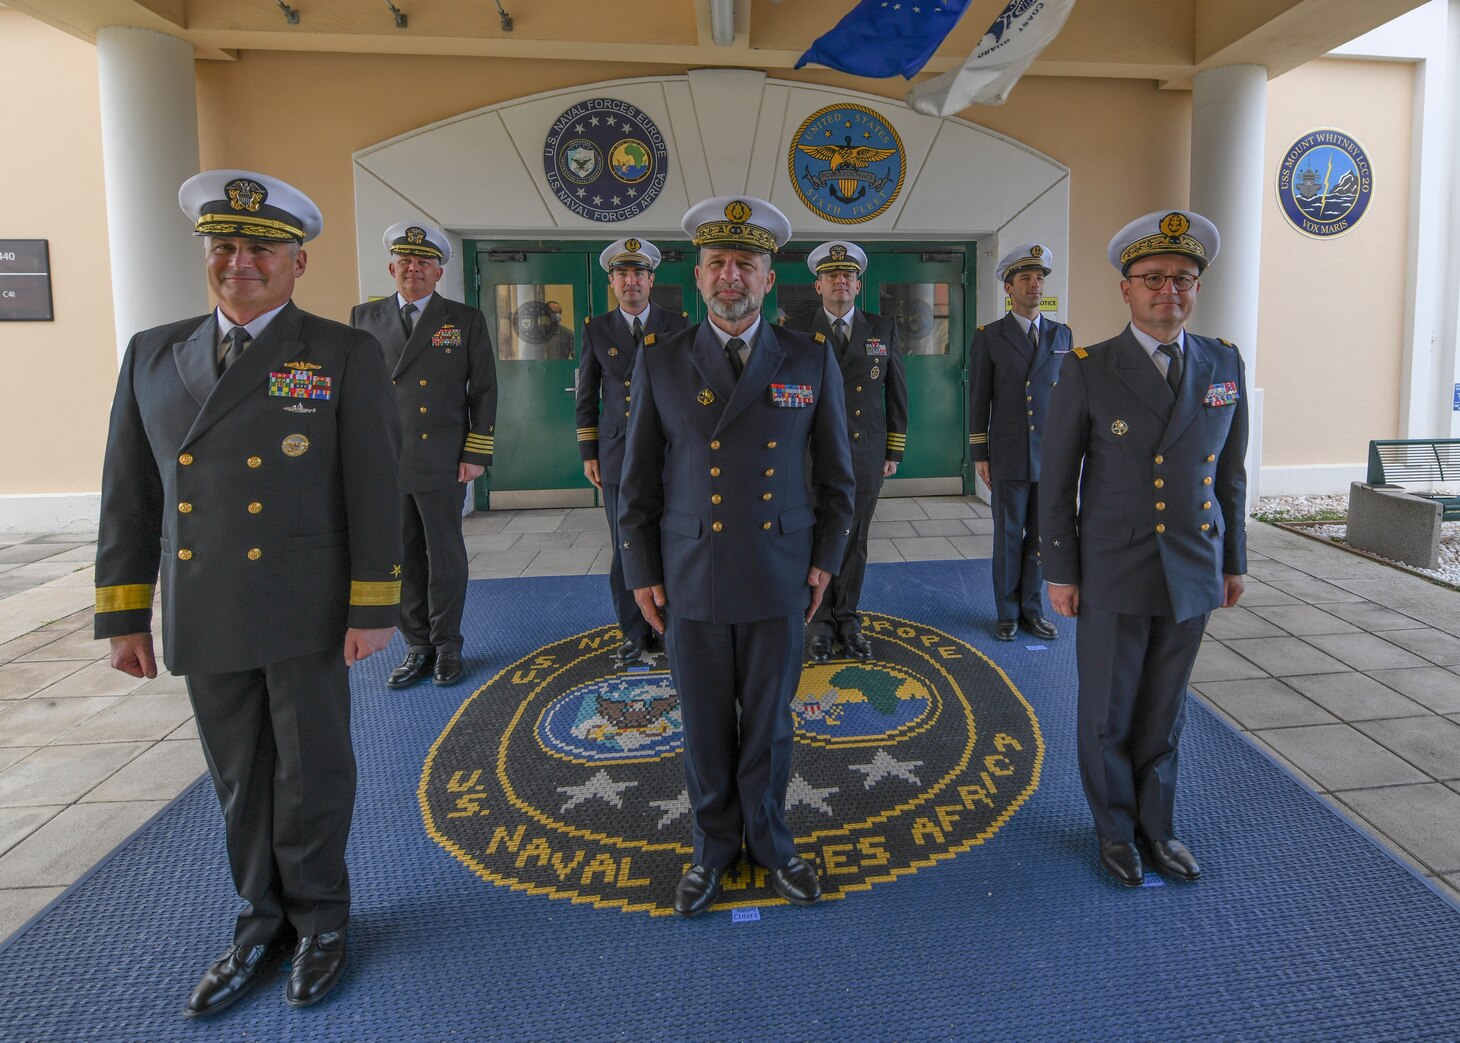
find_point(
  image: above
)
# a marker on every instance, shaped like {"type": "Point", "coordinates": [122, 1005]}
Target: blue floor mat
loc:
{"type": "Point", "coordinates": [1300, 928]}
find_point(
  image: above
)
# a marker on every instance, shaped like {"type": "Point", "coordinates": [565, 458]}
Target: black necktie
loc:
{"type": "Point", "coordinates": [732, 352]}
{"type": "Point", "coordinates": [1034, 334]}
{"type": "Point", "coordinates": [408, 319]}
{"type": "Point", "coordinates": [638, 332]}
{"type": "Point", "coordinates": [238, 341]}
{"type": "Point", "coordinates": [839, 331]}
{"type": "Point", "coordinates": [1173, 367]}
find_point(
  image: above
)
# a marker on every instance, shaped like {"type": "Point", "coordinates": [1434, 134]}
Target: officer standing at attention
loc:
{"type": "Point", "coordinates": [611, 343]}
{"type": "Point", "coordinates": [735, 508]}
{"type": "Point", "coordinates": [1157, 416]}
{"type": "Point", "coordinates": [253, 450]}
{"type": "Point", "coordinates": [870, 353]}
{"type": "Point", "coordinates": [1013, 365]}
{"type": "Point", "coordinates": [444, 377]}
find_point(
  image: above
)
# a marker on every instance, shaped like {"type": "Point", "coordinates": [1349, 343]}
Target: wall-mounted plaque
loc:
{"type": "Point", "coordinates": [1324, 183]}
{"type": "Point", "coordinates": [25, 280]}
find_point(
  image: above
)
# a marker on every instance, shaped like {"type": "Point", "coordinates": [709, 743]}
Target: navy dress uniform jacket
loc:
{"type": "Point", "coordinates": [445, 383]}
{"type": "Point", "coordinates": [276, 519]}
{"type": "Point", "coordinates": [874, 381]}
{"type": "Point", "coordinates": [1160, 512]}
{"type": "Point", "coordinates": [1008, 394]}
{"type": "Point", "coordinates": [605, 369]}
{"type": "Point", "coordinates": [726, 497]}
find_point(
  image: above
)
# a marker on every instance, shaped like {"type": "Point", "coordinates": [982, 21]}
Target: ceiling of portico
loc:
{"type": "Point", "coordinates": [1168, 41]}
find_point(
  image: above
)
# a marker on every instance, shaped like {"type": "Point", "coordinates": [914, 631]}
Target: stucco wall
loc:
{"type": "Point", "coordinates": [57, 397]}
{"type": "Point", "coordinates": [1331, 320]}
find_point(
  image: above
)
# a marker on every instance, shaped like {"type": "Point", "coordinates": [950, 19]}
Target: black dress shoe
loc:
{"type": "Point", "coordinates": [818, 650]}
{"type": "Point", "coordinates": [1175, 859]}
{"type": "Point", "coordinates": [1005, 629]}
{"type": "Point", "coordinates": [796, 882]}
{"type": "Point", "coordinates": [1122, 861]}
{"type": "Point", "coordinates": [448, 668]}
{"type": "Point", "coordinates": [697, 890]}
{"type": "Point", "coordinates": [414, 667]}
{"type": "Point", "coordinates": [630, 651]}
{"type": "Point", "coordinates": [857, 645]}
{"type": "Point", "coordinates": [230, 977]}
{"type": "Point", "coordinates": [1039, 627]}
{"type": "Point", "coordinates": [318, 961]}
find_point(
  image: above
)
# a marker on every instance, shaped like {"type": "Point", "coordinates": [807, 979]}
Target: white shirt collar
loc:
{"type": "Point", "coordinates": [643, 316]}
{"type": "Point", "coordinates": [401, 302]}
{"type": "Point", "coordinates": [748, 336]}
{"type": "Point", "coordinates": [1151, 344]}
{"type": "Point", "coordinates": [849, 318]}
{"type": "Point", "coordinates": [1024, 323]}
{"type": "Point", "coordinates": [255, 328]}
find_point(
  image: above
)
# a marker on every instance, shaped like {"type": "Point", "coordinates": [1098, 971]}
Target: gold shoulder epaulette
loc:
{"type": "Point", "coordinates": [650, 339]}
{"type": "Point", "coordinates": [1080, 353]}
{"type": "Point", "coordinates": [586, 320]}
{"type": "Point", "coordinates": [684, 315]}
{"type": "Point", "coordinates": [980, 329]}
{"type": "Point", "coordinates": [1227, 342]}
{"type": "Point", "coordinates": [821, 338]}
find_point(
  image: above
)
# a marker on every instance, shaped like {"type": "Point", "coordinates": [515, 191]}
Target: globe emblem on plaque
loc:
{"type": "Point", "coordinates": [1324, 183]}
{"type": "Point", "coordinates": [605, 160]}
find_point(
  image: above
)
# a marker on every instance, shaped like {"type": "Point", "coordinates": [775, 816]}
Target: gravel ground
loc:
{"type": "Point", "coordinates": [1279, 509]}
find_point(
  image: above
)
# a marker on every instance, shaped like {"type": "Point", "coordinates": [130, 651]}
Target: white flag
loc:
{"type": "Point", "coordinates": [1018, 34]}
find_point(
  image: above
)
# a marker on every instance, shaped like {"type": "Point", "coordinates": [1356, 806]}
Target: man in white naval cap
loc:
{"type": "Point", "coordinates": [735, 507]}
{"type": "Point", "coordinates": [1144, 542]}
{"type": "Point", "coordinates": [869, 351]}
{"type": "Point", "coordinates": [252, 450]}
{"type": "Point", "coordinates": [611, 343]}
{"type": "Point", "coordinates": [1013, 365]}
{"type": "Point", "coordinates": [443, 374]}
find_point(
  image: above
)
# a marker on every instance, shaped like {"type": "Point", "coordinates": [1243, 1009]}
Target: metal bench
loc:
{"type": "Point", "coordinates": [1406, 460]}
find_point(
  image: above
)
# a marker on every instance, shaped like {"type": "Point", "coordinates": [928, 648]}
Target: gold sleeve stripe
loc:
{"type": "Point", "coordinates": [896, 441]}
{"type": "Point", "coordinates": [587, 434]}
{"type": "Point", "coordinates": [978, 439]}
{"type": "Point", "coordinates": [362, 593]}
{"type": "Point", "coordinates": [479, 443]}
{"type": "Point", "coordinates": [126, 598]}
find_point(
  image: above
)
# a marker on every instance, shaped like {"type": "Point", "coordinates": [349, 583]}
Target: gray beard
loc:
{"type": "Point", "coordinates": [734, 311]}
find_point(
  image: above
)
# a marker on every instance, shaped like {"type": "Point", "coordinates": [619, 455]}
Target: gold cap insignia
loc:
{"type": "Point", "coordinates": [705, 397]}
{"type": "Point", "coordinates": [738, 211]}
{"type": "Point", "coordinates": [294, 445]}
{"type": "Point", "coordinates": [838, 252]}
{"type": "Point", "coordinates": [632, 244]}
{"type": "Point", "coordinates": [415, 236]}
{"type": "Point", "coordinates": [245, 194]}
{"type": "Point", "coordinates": [1036, 250]}
{"type": "Point", "coordinates": [1174, 225]}
{"type": "Point", "coordinates": [1120, 427]}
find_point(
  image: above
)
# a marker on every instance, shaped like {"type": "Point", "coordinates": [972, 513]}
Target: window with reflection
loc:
{"type": "Point", "coordinates": [536, 321]}
{"type": "Point", "coordinates": [796, 302]}
{"type": "Point", "coordinates": [920, 310]}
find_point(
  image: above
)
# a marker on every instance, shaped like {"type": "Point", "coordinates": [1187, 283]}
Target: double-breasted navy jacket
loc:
{"type": "Point", "coordinates": [1009, 386]}
{"type": "Point", "coordinates": [605, 368]}
{"type": "Point", "coordinates": [731, 490]}
{"type": "Point", "coordinates": [1159, 516]}
{"type": "Point", "coordinates": [268, 495]}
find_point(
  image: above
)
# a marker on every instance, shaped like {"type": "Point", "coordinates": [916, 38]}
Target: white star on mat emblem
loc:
{"type": "Point", "coordinates": [672, 808]}
{"type": "Point", "coordinates": [883, 767]}
{"type": "Point", "coordinates": [600, 786]}
{"type": "Point", "coordinates": [802, 792]}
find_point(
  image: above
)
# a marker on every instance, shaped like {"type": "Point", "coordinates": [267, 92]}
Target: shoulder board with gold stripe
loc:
{"type": "Point", "coordinates": [586, 320]}
{"type": "Point", "coordinates": [684, 315]}
{"type": "Point", "coordinates": [821, 338]}
{"type": "Point", "coordinates": [982, 328]}
{"type": "Point", "coordinates": [1227, 342]}
{"type": "Point", "coordinates": [1080, 353]}
{"type": "Point", "coordinates": [650, 339]}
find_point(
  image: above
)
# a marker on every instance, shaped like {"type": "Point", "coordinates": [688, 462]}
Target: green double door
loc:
{"type": "Point", "coordinates": [535, 296]}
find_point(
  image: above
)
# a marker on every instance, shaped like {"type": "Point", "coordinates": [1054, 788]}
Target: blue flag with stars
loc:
{"type": "Point", "coordinates": [881, 38]}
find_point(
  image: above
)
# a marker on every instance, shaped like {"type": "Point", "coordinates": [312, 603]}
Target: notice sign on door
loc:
{"type": "Point", "coordinates": [25, 280]}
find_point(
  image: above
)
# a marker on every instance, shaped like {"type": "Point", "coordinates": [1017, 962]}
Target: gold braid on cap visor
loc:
{"type": "Point", "coordinates": [248, 227]}
{"type": "Point", "coordinates": [425, 250]}
{"type": "Point", "coordinates": [1164, 244]}
{"type": "Point", "coordinates": [729, 234]}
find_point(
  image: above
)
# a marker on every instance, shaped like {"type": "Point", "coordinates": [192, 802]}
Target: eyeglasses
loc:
{"type": "Point", "coordinates": [1156, 280]}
